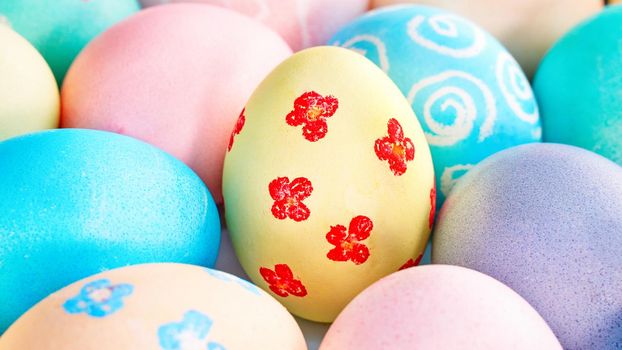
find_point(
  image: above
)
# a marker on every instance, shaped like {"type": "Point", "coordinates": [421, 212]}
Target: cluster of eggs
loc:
{"type": "Point", "coordinates": [329, 163]}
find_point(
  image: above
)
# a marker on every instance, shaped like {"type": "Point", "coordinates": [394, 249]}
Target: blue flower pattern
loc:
{"type": "Point", "coordinates": [98, 298]}
{"type": "Point", "coordinates": [189, 334]}
{"type": "Point", "coordinates": [223, 276]}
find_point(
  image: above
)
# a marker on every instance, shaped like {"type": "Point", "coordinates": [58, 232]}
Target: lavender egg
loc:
{"type": "Point", "coordinates": [545, 219]}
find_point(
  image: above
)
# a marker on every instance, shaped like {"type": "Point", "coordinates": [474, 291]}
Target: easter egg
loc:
{"type": "Point", "coordinates": [545, 220]}
{"type": "Point", "coordinates": [60, 29]}
{"type": "Point", "coordinates": [77, 202]}
{"type": "Point", "coordinates": [302, 23]}
{"type": "Point", "coordinates": [588, 60]}
{"type": "Point", "coordinates": [527, 28]}
{"type": "Point", "coordinates": [439, 307]}
{"type": "Point", "coordinates": [28, 93]}
{"type": "Point", "coordinates": [329, 182]}
{"type": "Point", "coordinates": [177, 84]}
{"type": "Point", "coordinates": [157, 306]}
{"type": "Point", "coordinates": [469, 94]}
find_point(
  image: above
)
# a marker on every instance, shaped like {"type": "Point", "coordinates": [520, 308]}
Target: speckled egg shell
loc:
{"type": "Point", "coordinates": [77, 202]}
{"type": "Point", "coordinates": [157, 306]}
{"type": "Point", "coordinates": [439, 307]}
{"type": "Point", "coordinates": [588, 60]}
{"type": "Point", "coordinates": [176, 76]}
{"type": "Point", "coordinates": [545, 219]}
{"type": "Point", "coordinates": [329, 183]}
{"type": "Point", "coordinates": [469, 94]}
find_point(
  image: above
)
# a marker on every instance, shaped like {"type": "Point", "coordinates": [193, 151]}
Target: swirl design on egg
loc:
{"type": "Point", "coordinates": [450, 103]}
{"type": "Point", "coordinates": [516, 89]}
{"type": "Point", "coordinates": [451, 175]}
{"type": "Point", "coordinates": [356, 44]}
{"type": "Point", "coordinates": [447, 34]}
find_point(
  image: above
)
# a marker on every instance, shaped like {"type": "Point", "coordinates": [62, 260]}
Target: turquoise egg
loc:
{"type": "Point", "coordinates": [469, 94]}
{"type": "Point", "coordinates": [76, 202]}
{"type": "Point", "coordinates": [59, 29]}
{"type": "Point", "coordinates": [579, 86]}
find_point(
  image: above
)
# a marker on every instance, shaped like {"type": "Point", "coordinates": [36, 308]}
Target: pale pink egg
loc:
{"type": "Point", "coordinates": [439, 307]}
{"type": "Point", "coordinates": [176, 76]}
{"type": "Point", "coordinates": [302, 23]}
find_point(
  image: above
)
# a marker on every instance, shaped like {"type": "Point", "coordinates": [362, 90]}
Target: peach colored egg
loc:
{"type": "Point", "coordinates": [176, 76]}
{"type": "Point", "coordinates": [302, 23]}
{"type": "Point", "coordinates": [439, 307]}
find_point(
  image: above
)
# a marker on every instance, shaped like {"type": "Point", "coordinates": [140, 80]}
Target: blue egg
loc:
{"type": "Point", "coordinates": [469, 94]}
{"type": "Point", "coordinates": [77, 202]}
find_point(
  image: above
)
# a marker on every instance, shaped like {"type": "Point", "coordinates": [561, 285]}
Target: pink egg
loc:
{"type": "Point", "coordinates": [302, 23]}
{"type": "Point", "coordinates": [176, 76]}
{"type": "Point", "coordinates": [439, 307]}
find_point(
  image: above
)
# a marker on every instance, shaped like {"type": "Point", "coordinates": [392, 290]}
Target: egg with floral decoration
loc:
{"type": "Point", "coordinates": [328, 182]}
{"type": "Point", "coordinates": [157, 306]}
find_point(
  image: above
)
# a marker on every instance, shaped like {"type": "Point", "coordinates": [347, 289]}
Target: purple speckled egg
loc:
{"type": "Point", "coordinates": [545, 219]}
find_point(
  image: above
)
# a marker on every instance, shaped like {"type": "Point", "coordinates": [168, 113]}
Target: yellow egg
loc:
{"type": "Point", "coordinates": [328, 183]}
{"type": "Point", "coordinates": [156, 306]}
{"type": "Point", "coordinates": [29, 98]}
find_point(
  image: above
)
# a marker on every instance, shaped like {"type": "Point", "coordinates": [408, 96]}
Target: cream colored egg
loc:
{"type": "Point", "coordinates": [156, 306]}
{"type": "Point", "coordinates": [329, 183]}
{"type": "Point", "coordinates": [29, 98]}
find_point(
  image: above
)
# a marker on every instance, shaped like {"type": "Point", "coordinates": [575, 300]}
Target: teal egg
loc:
{"type": "Point", "coordinates": [469, 94]}
{"type": "Point", "coordinates": [76, 202]}
{"type": "Point", "coordinates": [59, 29]}
{"type": "Point", "coordinates": [579, 86]}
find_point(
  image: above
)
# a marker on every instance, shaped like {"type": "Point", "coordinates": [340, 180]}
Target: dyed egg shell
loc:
{"type": "Point", "coordinates": [469, 94]}
{"type": "Point", "coordinates": [302, 23]}
{"type": "Point", "coordinates": [329, 183]}
{"type": "Point", "coordinates": [179, 85]}
{"type": "Point", "coordinates": [589, 60]}
{"type": "Point", "coordinates": [28, 93]}
{"type": "Point", "coordinates": [545, 220]}
{"type": "Point", "coordinates": [527, 28]}
{"type": "Point", "coordinates": [439, 307]}
{"type": "Point", "coordinates": [77, 202]}
{"type": "Point", "coordinates": [157, 306]}
{"type": "Point", "coordinates": [60, 29]}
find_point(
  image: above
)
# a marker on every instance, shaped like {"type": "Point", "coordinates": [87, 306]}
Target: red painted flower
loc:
{"type": "Point", "coordinates": [288, 198]}
{"type": "Point", "coordinates": [432, 205]}
{"type": "Point", "coordinates": [395, 148]}
{"type": "Point", "coordinates": [347, 244]}
{"type": "Point", "coordinates": [411, 263]}
{"type": "Point", "coordinates": [311, 110]}
{"type": "Point", "coordinates": [282, 281]}
{"type": "Point", "coordinates": [238, 127]}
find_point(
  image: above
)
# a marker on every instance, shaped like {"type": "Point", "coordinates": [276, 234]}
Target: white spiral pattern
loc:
{"type": "Point", "coordinates": [451, 175]}
{"type": "Point", "coordinates": [442, 88]}
{"type": "Point", "coordinates": [449, 28]}
{"type": "Point", "coordinates": [516, 89]}
{"type": "Point", "coordinates": [383, 59]}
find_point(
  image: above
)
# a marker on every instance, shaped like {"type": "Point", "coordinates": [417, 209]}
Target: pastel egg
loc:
{"type": "Point", "coordinates": [177, 84]}
{"type": "Point", "coordinates": [60, 29]}
{"type": "Point", "coordinates": [439, 307]}
{"type": "Point", "coordinates": [469, 94]}
{"type": "Point", "coordinates": [29, 98]}
{"type": "Point", "coordinates": [329, 183]}
{"type": "Point", "coordinates": [77, 202]}
{"type": "Point", "coordinates": [545, 220]}
{"type": "Point", "coordinates": [302, 23]}
{"type": "Point", "coordinates": [589, 60]}
{"type": "Point", "coordinates": [157, 306]}
{"type": "Point", "coordinates": [527, 28]}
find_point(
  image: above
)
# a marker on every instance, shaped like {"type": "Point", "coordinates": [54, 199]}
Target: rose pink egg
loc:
{"type": "Point", "coordinates": [176, 76]}
{"type": "Point", "coordinates": [302, 23]}
{"type": "Point", "coordinates": [439, 307]}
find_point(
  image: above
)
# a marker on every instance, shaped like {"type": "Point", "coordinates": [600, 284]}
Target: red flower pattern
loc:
{"type": "Point", "coordinates": [347, 244]}
{"type": "Point", "coordinates": [282, 281]}
{"type": "Point", "coordinates": [412, 262]}
{"type": "Point", "coordinates": [395, 148]}
{"type": "Point", "coordinates": [311, 110]}
{"type": "Point", "coordinates": [237, 129]}
{"type": "Point", "coordinates": [432, 205]}
{"type": "Point", "coordinates": [288, 198]}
